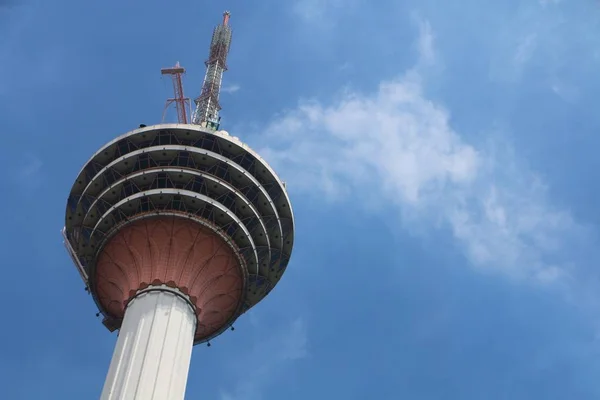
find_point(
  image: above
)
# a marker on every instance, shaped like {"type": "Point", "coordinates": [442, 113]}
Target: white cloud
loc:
{"type": "Point", "coordinates": [525, 48]}
{"type": "Point", "coordinates": [425, 43]}
{"type": "Point", "coordinates": [269, 357]}
{"type": "Point", "coordinates": [565, 91]}
{"type": "Point", "coordinates": [545, 3]}
{"type": "Point", "coordinates": [347, 66]}
{"type": "Point", "coordinates": [397, 149]}
{"type": "Point", "coordinates": [230, 88]}
{"type": "Point", "coordinates": [311, 10]}
{"type": "Point", "coordinates": [27, 174]}
{"type": "Point", "coordinates": [322, 13]}
{"type": "Point", "coordinates": [538, 38]}
{"type": "Point", "coordinates": [31, 166]}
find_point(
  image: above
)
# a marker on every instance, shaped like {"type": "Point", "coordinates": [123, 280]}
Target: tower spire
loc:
{"type": "Point", "coordinates": [207, 104]}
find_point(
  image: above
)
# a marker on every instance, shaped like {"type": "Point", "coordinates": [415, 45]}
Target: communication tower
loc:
{"type": "Point", "coordinates": [207, 104]}
{"type": "Point", "coordinates": [176, 230]}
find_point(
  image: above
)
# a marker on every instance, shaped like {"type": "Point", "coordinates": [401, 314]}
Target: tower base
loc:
{"type": "Point", "coordinates": [154, 348]}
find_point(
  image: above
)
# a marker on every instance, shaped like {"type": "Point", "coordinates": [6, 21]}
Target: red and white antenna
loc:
{"type": "Point", "coordinates": [207, 109]}
{"type": "Point", "coordinates": [179, 99]}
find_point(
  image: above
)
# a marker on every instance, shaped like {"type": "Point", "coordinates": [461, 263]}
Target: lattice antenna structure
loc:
{"type": "Point", "coordinates": [182, 103]}
{"type": "Point", "coordinates": [207, 104]}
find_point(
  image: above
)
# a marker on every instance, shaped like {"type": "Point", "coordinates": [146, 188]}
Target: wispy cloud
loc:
{"type": "Point", "coordinates": [314, 10]}
{"type": "Point", "coordinates": [346, 66]}
{"type": "Point", "coordinates": [269, 358]}
{"type": "Point", "coordinates": [30, 168]}
{"type": "Point", "coordinates": [321, 13]}
{"type": "Point", "coordinates": [513, 54]}
{"type": "Point", "coordinates": [525, 48]}
{"type": "Point", "coordinates": [545, 3]}
{"type": "Point", "coordinates": [26, 174]}
{"type": "Point", "coordinates": [396, 147]}
{"type": "Point", "coordinates": [565, 91]}
{"type": "Point", "coordinates": [425, 42]}
{"type": "Point", "coordinates": [542, 38]}
{"type": "Point", "coordinates": [231, 88]}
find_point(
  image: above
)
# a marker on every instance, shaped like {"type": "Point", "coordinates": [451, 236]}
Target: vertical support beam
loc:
{"type": "Point", "coordinates": [153, 352]}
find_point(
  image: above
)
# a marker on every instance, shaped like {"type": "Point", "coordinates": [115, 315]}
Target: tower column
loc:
{"type": "Point", "coordinates": [153, 352]}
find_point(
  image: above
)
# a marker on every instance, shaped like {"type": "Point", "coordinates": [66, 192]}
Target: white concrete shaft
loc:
{"type": "Point", "coordinates": [152, 357]}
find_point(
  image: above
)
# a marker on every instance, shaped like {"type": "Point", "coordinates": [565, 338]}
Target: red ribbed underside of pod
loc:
{"type": "Point", "coordinates": [177, 252]}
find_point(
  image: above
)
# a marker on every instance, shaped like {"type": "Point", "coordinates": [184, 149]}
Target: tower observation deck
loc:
{"type": "Point", "coordinates": [176, 230]}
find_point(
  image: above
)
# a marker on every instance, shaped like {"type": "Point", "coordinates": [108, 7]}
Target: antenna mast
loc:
{"type": "Point", "coordinates": [207, 104]}
{"type": "Point", "coordinates": [180, 100]}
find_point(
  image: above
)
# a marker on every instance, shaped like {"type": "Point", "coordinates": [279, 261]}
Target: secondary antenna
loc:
{"type": "Point", "coordinates": [207, 104]}
{"type": "Point", "coordinates": [180, 100]}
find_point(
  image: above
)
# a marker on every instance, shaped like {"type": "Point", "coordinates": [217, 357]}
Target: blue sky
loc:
{"type": "Point", "coordinates": [441, 160]}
